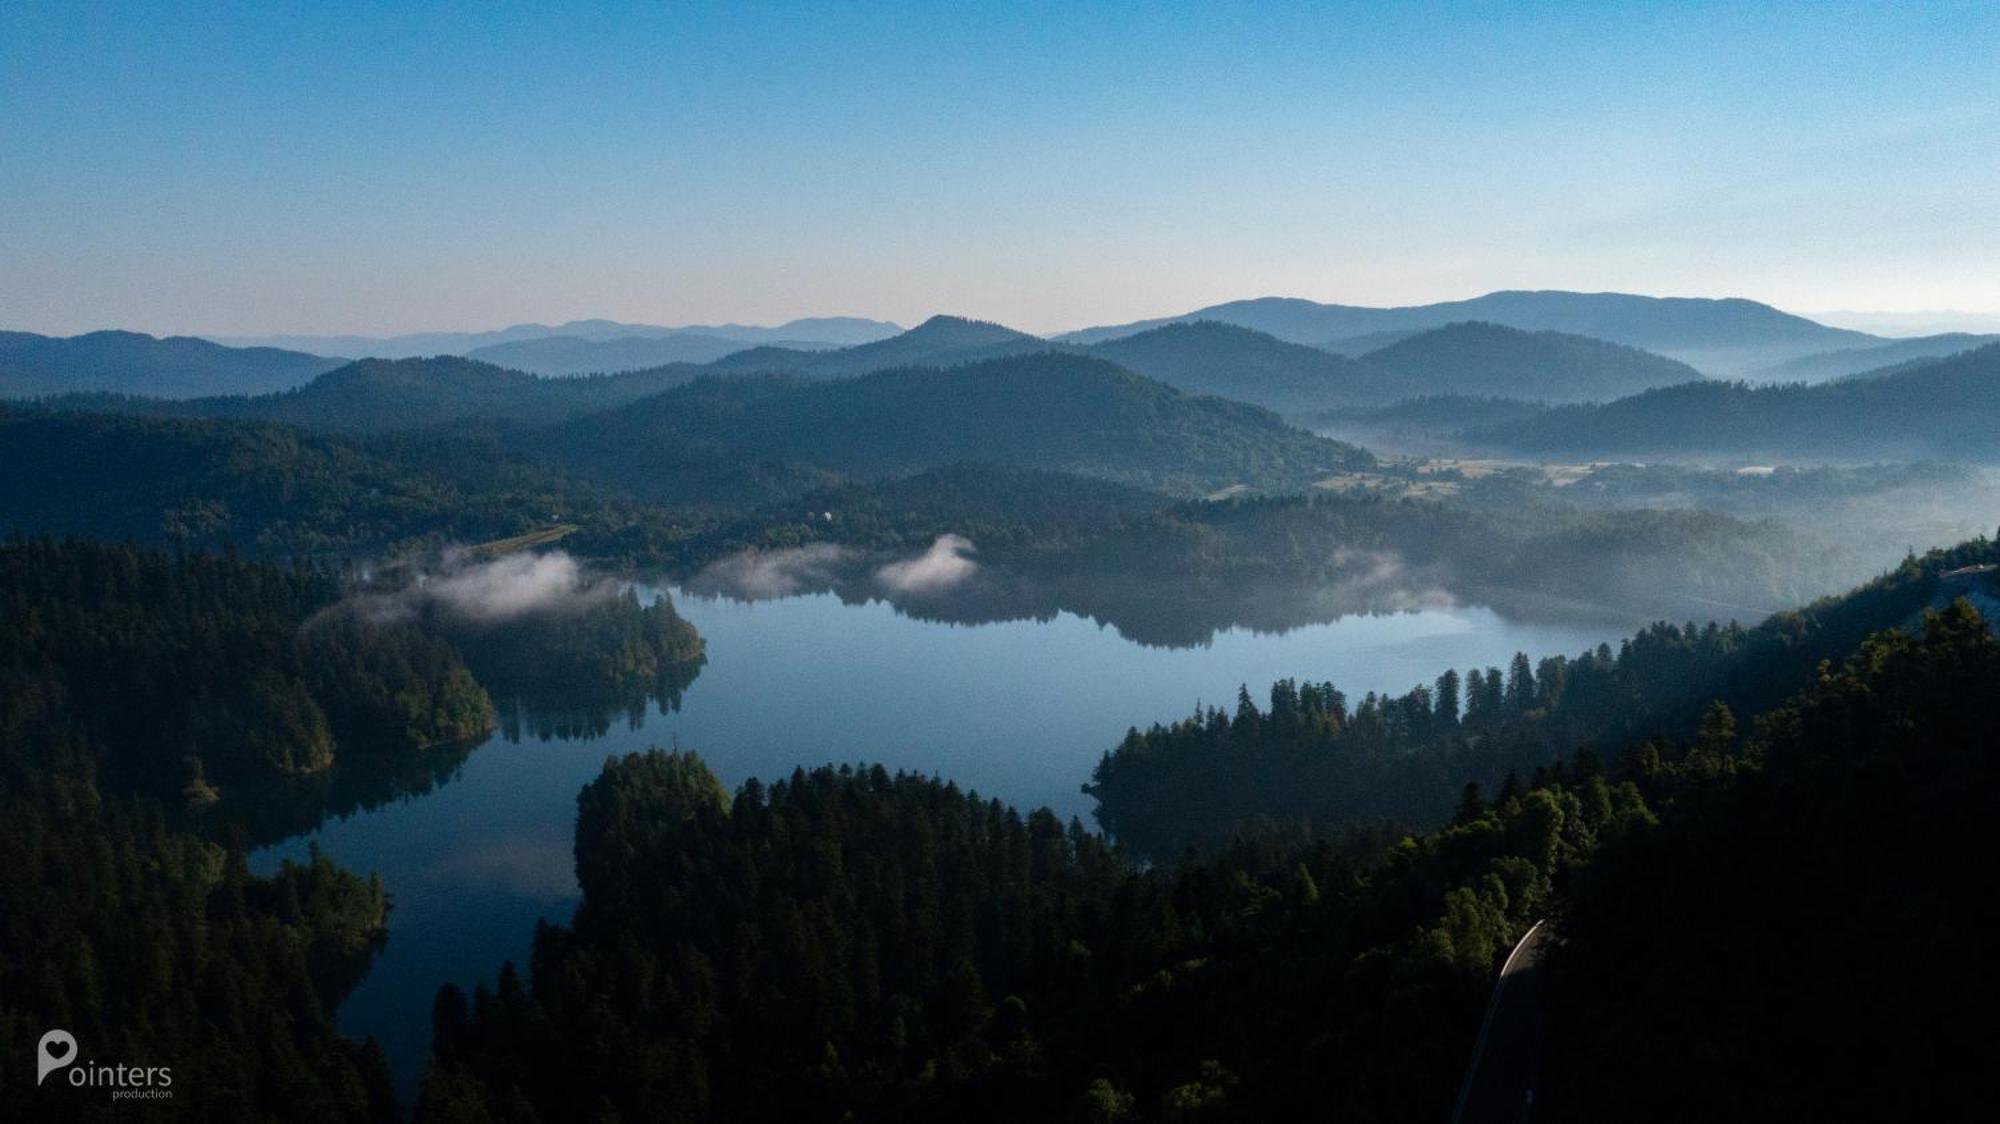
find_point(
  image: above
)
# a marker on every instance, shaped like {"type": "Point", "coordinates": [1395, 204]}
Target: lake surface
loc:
{"type": "Point", "coordinates": [1020, 711]}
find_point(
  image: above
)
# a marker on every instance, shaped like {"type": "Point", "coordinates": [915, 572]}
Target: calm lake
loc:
{"type": "Point", "coordinates": [1020, 711]}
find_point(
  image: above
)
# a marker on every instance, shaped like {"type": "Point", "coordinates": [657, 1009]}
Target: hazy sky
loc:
{"type": "Point", "coordinates": [332, 168]}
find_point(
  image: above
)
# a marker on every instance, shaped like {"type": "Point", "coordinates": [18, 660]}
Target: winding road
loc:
{"type": "Point", "coordinates": [1500, 1081]}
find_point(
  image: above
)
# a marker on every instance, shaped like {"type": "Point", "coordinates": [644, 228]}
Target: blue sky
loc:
{"type": "Point", "coordinates": [389, 167]}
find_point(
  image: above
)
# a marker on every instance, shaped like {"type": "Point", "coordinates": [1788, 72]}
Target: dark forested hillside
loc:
{"type": "Point", "coordinates": [155, 948]}
{"type": "Point", "coordinates": [1803, 930]}
{"type": "Point", "coordinates": [846, 944]}
{"type": "Point", "coordinates": [184, 673]}
{"type": "Point", "coordinates": [1318, 757]}
{"type": "Point", "coordinates": [132, 684]}
{"type": "Point", "coordinates": [139, 691]}
{"type": "Point", "coordinates": [1050, 411]}
{"type": "Point", "coordinates": [1490, 360]}
{"type": "Point", "coordinates": [1948, 408]}
{"type": "Point", "coordinates": [33, 366]}
{"type": "Point", "coordinates": [1210, 357]}
{"type": "Point", "coordinates": [188, 673]}
{"type": "Point", "coordinates": [271, 489]}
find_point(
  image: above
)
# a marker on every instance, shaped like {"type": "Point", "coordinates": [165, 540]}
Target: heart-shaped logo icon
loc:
{"type": "Point", "coordinates": [57, 1049]}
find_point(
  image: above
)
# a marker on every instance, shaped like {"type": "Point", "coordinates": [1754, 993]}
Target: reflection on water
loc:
{"type": "Point", "coordinates": [475, 845]}
{"type": "Point", "coordinates": [584, 715]}
{"type": "Point", "coordinates": [1153, 611]}
{"type": "Point", "coordinates": [280, 808]}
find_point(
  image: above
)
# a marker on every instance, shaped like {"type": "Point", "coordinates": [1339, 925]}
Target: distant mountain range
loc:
{"type": "Point", "coordinates": [33, 366]}
{"type": "Point", "coordinates": [939, 341]}
{"type": "Point", "coordinates": [1939, 409]}
{"type": "Point", "coordinates": [575, 355]}
{"type": "Point", "coordinates": [823, 331]}
{"type": "Point", "coordinates": [1725, 337]}
{"type": "Point", "coordinates": [1200, 357]}
{"type": "Point", "coordinates": [1465, 367]}
{"type": "Point", "coordinates": [1821, 366]}
{"type": "Point", "coordinates": [1248, 365]}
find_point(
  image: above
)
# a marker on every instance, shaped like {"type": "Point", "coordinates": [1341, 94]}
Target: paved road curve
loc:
{"type": "Point", "coordinates": [1500, 1082]}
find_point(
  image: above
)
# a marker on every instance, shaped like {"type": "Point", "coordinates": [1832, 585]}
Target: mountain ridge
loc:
{"type": "Point", "coordinates": [941, 340]}
{"type": "Point", "coordinates": [1480, 359]}
{"type": "Point", "coordinates": [1846, 362]}
{"type": "Point", "coordinates": [1718, 335]}
{"type": "Point", "coordinates": [1943, 408]}
{"type": "Point", "coordinates": [121, 362]}
{"type": "Point", "coordinates": [829, 330]}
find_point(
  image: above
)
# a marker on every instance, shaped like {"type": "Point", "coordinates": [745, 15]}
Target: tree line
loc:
{"type": "Point", "coordinates": [1315, 758]}
{"type": "Point", "coordinates": [136, 684]}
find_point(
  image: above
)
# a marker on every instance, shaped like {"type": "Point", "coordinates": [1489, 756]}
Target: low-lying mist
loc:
{"type": "Point", "coordinates": [536, 628]}
{"type": "Point", "coordinates": [936, 571]}
{"type": "Point", "coordinates": [462, 584]}
{"type": "Point", "coordinates": [757, 575]}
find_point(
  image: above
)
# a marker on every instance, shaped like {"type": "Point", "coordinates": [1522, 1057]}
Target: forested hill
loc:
{"type": "Point", "coordinates": [33, 366]}
{"type": "Point", "coordinates": [1211, 357]}
{"type": "Point", "coordinates": [939, 341]}
{"type": "Point", "coordinates": [183, 673]}
{"type": "Point", "coordinates": [1944, 409]}
{"type": "Point", "coordinates": [1804, 924]}
{"type": "Point", "coordinates": [1490, 360]}
{"type": "Point", "coordinates": [379, 395]}
{"type": "Point", "coordinates": [1062, 412]}
{"type": "Point", "coordinates": [847, 944]}
{"type": "Point", "coordinates": [273, 490]}
{"type": "Point", "coordinates": [1318, 758]}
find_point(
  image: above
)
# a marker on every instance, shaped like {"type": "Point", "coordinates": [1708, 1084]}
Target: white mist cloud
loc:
{"type": "Point", "coordinates": [1381, 579]}
{"type": "Point", "coordinates": [757, 575]}
{"type": "Point", "coordinates": [503, 589]}
{"type": "Point", "coordinates": [934, 571]}
{"type": "Point", "coordinates": [513, 586]}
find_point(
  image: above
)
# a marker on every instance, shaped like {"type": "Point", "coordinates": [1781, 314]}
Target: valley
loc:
{"type": "Point", "coordinates": [1169, 655]}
